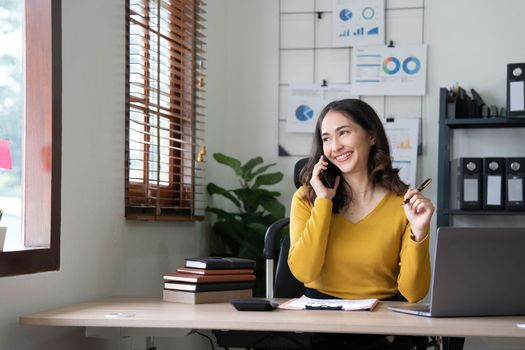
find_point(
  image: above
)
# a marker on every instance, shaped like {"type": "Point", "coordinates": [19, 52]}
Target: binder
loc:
{"type": "Point", "coordinates": [514, 183]}
{"type": "Point", "coordinates": [516, 89]}
{"type": "Point", "coordinates": [493, 183]}
{"type": "Point", "coordinates": [467, 186]}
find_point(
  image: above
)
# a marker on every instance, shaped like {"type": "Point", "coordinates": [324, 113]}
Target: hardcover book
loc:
{"type": "Point", "coordinates": [215, 272]}
{"type": "Point", "coordinates": [205, 297]}
{"type": "Point", "coordinates": [192, 278]}
{"type": "Point", "coordinates": [215, 262]}
{"type": "Point", "coordinates": [206, 287]}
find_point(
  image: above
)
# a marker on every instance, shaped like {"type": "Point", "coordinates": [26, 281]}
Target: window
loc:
{"type": "Point", "coordinates": [11, 119]}
{"type": "Point", "coordinates": [164, 106]}
{"type": "Point", "coordinates": [41, 167]}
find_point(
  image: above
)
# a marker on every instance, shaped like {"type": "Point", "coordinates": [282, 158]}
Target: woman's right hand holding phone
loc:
{"type": "Point", "coordinates": [316, 183]}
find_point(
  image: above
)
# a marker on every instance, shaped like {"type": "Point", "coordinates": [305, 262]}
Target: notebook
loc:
{"type": "Point", "coordinates": [477, 272]}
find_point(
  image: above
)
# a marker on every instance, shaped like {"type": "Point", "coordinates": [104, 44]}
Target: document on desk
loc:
{"type": "Point", "coordinates": [305, 303]}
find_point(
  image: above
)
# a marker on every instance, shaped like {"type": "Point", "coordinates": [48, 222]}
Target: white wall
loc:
{"type": "Point", "coordinates": [101, 253]}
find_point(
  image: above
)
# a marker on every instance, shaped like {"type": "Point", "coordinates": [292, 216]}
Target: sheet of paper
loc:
{"type": "Point", "coordinates": [345, 304]}
{"type": "Point", "coordinates": [403, 136]}
{"type": "Point", "coordinates": [382, 70]}
{"type": "Point", "coordinates": [305, 102]}
{"type": "Point", "coordinates": [358, 22]}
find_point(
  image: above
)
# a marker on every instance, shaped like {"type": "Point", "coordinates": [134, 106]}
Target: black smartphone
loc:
{"type": "Point", "coordinates": [328, 175]}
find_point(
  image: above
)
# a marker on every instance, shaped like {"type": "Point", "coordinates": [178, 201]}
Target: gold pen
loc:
{"type": "Point", "coordinates": [420, 188]}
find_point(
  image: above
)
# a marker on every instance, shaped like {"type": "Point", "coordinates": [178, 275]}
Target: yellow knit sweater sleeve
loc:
{"type": "Point", "coordinates": [413, 280]}
{"type": "Point", "coordinates": [309, 226]}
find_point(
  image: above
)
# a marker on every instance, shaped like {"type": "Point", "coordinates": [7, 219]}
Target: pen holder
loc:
{"type": "Point", "coordinates": [452, 107]}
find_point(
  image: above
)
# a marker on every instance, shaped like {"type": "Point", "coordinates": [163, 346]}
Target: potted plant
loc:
{"type": "Point", "coordinates": [240, 232]}
{"type": "Point", "coordinates": [3, 231]}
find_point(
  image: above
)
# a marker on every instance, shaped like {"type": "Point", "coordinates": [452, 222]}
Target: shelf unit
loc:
{"type": "Point", "coordinates": [444, 212]}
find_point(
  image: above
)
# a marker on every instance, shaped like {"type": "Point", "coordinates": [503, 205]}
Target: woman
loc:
{"type": "Point", "coordinates": [358, 240]}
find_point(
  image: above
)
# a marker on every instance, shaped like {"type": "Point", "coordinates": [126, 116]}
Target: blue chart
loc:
{"type": "Point", "coordinates": [344, 33]}
{"type": "Point", "coordinates": [359, 31]}
{"type": "Point", "coordinates": [373, 31]}
{"type": "Point", "coordinates": [358, 22]}
{"type": "Point", "coordinates": [411, 65]}
{"type": "Point", "coordinates": [304, 113]}
{"type": "Point", "coordinates": [345, 15]}
{"type": "Point", "coordinates": [368, 13]}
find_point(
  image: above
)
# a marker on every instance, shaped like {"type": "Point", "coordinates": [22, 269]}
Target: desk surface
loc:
{"type": "Point", "coordinates": [154, 313]}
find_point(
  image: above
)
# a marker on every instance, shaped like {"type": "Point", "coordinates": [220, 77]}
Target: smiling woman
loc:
{"type": "Point", "coordinates": [354, 240]}
{"type": "Point", "coordinates": [39, 248]}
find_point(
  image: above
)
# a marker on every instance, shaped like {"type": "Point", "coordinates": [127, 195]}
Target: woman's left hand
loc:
{"type": "Point", "coordinates": [419, 211]}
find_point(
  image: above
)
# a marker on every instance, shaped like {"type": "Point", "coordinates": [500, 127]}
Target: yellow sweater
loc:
{"type": "Point", "coordinates": [372, 258]}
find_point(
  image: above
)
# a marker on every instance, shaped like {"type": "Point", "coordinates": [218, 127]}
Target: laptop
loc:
{"type": "Point", "coordinates": [477, 272]}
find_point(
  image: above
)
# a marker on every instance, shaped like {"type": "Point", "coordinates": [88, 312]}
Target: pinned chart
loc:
{"type": "Point", "coordinates": [304, 113]}
{"type": "Point", "coordinates": [305, 102]}
{"type": "Point", "coordinates": [382, 70]}
{"type": "Point", "coordinates": [358, 22]}
{"type": "Point", "coordinates": [403, 138]}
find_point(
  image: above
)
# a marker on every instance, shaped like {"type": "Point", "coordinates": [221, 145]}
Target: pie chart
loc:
{"type": "Point", "coordinates": [391, 65]}
{"type": "Point", "coordinates": [345, 15]}
{"type": "Point", "coordinates": [304, 113]}
{"type": "Point", "coordinates": [411, 65]}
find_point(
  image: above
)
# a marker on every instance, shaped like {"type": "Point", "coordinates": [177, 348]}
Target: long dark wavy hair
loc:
{"type": "Point", "coordinates": [380, 171]}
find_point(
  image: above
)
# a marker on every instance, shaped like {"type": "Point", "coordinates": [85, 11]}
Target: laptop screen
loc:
{"type": "Point", "coordinates": [479, 271]}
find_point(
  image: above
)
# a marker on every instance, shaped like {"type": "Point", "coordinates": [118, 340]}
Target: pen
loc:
{"type": "Point", "coordinates": [420, 188]}
{"type": "Point", "coordinates": [323, 307]}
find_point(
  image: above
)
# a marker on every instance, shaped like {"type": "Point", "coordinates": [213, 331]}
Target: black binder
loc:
{"type": "Point", "coordinates": [514, 183]}
{"type": "Point", "coordinates": [493, 183]}
{"type": "Point", "coordinates": [516, 89]}
{"type": "Point", "coordinates": [468, 184]}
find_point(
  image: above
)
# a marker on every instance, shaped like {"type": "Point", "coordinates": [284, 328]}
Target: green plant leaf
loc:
{"type": "Point", "coordinates": [268, 179]}
{"type": "Point", "coordinates": [240, 232]}
{"type": "Point", "coordinates": [233, 163]}
{"type": "Point", "coordinates": [247, 168]}
{"type": "Point", "coordinates": [259, 171]}
{"type": "Point", "coordinates": [251, 198]}
{"type": "Point", "coordinates": [272, 193]}
{"type": "Point", "coordinates": [215, 189]}
{"type": "Point", "coordinates": [221, 214]}
{"type": "Point", "coordinates": [232, 232]}
{"type": "Point", "coordinates": [229, 235]}
{"type": "Point", "coordinates": [258, 227]}
{"type": "Point", "coordinates": [273, 206]}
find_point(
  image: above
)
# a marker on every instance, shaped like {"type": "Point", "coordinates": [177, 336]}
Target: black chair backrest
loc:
{"type": "Point", "coordinates": [285, 284]}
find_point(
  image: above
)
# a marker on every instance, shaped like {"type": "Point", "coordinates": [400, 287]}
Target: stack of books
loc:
{"type": "Point", "coordinates": [210, 280]}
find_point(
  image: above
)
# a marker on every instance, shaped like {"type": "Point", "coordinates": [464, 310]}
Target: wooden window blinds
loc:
{"type": "Point", "coordinates": [165, 110]}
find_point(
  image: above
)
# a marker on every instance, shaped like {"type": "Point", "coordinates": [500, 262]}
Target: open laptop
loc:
{"type": "Point", "coordinates": [477, 272]}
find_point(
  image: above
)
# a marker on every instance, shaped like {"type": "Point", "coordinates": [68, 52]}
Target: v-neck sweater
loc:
{"type": "Point", "coordinates": [372, 258]}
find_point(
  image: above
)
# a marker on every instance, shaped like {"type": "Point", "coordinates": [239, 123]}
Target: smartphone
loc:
{"type": "Point", "coordinates": [328, 175]}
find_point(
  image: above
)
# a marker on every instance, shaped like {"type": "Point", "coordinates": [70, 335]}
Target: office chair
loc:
{"type": "Point", "coordinates": [280, 283]}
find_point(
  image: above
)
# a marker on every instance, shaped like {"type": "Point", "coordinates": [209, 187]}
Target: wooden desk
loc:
{"type": "Point", "coordinates": [153, 314]}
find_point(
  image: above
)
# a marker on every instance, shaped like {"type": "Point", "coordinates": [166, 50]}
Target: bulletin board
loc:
{"type": "Point", "coordinates": [306, 55]}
